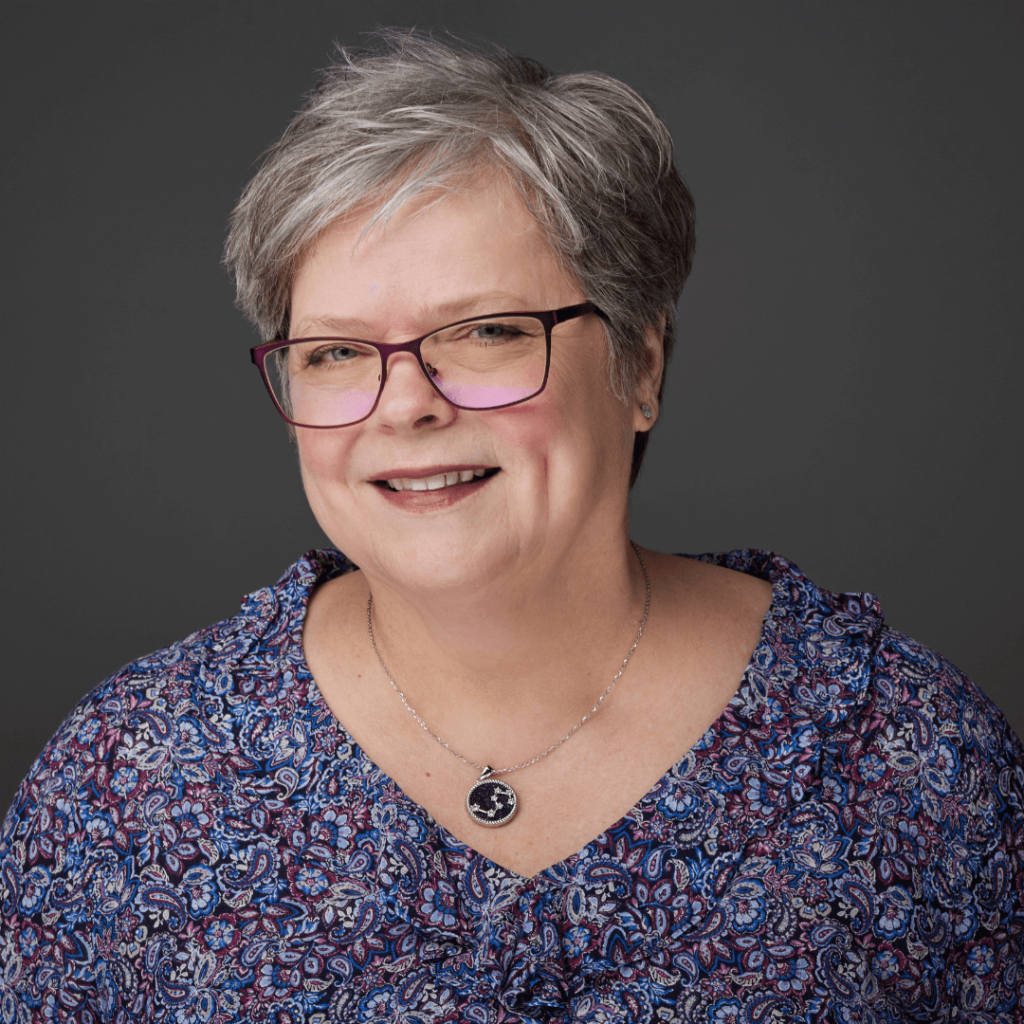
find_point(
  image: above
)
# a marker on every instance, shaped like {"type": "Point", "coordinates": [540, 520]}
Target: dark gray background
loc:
{"type": "Point", "coordinates": [845, 390]}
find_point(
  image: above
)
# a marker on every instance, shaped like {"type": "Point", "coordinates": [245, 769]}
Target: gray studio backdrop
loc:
{"type": "Point", "coordinates": [845, 390]}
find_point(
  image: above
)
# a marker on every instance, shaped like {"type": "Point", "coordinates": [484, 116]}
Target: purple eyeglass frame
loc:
{"type": "Point", "coordinates": [549, 319]}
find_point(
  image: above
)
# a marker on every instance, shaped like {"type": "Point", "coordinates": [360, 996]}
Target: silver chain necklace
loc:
{"type": "Point", "coordinates": [492, 801]}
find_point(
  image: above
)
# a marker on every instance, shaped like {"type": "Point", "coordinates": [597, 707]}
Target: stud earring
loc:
{"type": "Point", "coordinates": [646, 410]}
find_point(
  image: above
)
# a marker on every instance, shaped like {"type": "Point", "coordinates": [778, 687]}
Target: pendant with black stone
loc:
{"type": "Point", "coordinates": [490, 801]}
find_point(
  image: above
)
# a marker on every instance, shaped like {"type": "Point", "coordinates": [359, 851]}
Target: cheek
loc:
{"type": "Point", "coordinates": [529, 429]}
{"type": "Point", "coordinates": [595, 419]}
{"type": "Point", "coordinates": [577, 423]}
{"type": "Point", "coordinates": [323, 455]}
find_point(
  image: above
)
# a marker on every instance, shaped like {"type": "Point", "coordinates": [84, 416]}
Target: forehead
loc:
{"type": "Point", "coordinates": [441, 256]}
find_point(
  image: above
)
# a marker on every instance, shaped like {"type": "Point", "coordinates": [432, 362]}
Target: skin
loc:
{"type": "Point", "coordinates": [504, 615]}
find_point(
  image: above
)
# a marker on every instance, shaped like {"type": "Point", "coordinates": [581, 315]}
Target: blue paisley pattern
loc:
{"type": "Point", "coordinates": [202, 843]}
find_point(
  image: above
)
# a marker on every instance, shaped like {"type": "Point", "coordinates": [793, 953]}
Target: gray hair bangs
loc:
{"type": "Point", "coordinates": [586, 153]}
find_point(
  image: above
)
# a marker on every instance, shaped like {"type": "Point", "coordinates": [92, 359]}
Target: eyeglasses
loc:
{"type": "Point", "coordinates": [486, 362]}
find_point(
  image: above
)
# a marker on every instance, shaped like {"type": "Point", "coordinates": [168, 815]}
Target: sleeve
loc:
{"type": "Point", "coordinates": [943, 813]}
{"type": "Point", "coordinates": [979, 879]}
{"type": "Point", "coordinates": [53, 862]}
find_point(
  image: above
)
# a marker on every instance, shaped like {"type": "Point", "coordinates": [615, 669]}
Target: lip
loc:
{"type": "Point", "coordinates": [425, 471]}
{"type": "Point", "coordinates": [432, 501]}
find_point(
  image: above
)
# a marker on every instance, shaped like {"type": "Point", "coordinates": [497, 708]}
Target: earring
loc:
{"type": "Point", "coordinates": [646, 410]}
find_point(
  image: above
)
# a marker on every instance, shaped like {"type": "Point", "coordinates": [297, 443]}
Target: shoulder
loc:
{"type": "Point", "coordinates": [925, 780]}
{"type": "Point", "coordinates": [181, 697]}
{"type": "Point", "coordinates": [896, 792]}
{"type": "Point", "coordinates": [926, 738]}
{"type": "Point", "coordinates": [883, 727]}
{"type": "Point", "coordinates": [919, 699]}
{"type": "Point", "coordinates": [839, 668]}
{"type": "Point", "coordinates": [916, 781]}
{"type": "Point", "coordinates": [174, 763]}
{"type": "Point", "coordinates": [167, 725]}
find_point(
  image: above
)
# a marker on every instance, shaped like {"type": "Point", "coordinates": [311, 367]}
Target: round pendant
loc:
{"type": "Point", "coordinates": [491, 802]}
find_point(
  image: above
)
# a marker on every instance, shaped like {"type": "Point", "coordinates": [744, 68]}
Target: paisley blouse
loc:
{"type": "Point", "coordinates": [202, 842]}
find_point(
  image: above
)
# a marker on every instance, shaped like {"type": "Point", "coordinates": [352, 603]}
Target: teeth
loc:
{"type": "Point", "coordinates": [435, 483]}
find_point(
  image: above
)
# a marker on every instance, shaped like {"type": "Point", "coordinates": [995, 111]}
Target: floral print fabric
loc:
{"type": "Point", "coordinates": [202, 842]}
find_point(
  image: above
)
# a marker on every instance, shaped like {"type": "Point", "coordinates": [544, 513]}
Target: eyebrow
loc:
{"type": "Point", "coordinates": [488, 302]}
{"type": "Point", "coordinates": [427, 316]}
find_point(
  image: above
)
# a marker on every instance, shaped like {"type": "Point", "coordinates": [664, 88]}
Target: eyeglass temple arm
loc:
{"type": "Point", "coordinates": [580, 309]}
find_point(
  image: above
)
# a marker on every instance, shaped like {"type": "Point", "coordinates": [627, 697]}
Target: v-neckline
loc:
{"type": "Point", "coordinates": [747, 689]}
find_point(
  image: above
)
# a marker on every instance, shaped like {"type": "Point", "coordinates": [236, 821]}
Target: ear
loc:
{"type": "Point", "coordinates": [648, 385]}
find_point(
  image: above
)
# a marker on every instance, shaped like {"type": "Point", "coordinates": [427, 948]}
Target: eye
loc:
{"type": "Point", "coordinates": [494, 332]}
{"type": "Point", "coordinates": [333, 354]}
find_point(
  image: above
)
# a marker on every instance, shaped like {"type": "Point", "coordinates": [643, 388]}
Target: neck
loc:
{"type": "Point", "coordinates": [542, 643]}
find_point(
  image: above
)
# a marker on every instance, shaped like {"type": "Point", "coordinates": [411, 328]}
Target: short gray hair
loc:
{"type": "Point", "coordinates": [586, 153]}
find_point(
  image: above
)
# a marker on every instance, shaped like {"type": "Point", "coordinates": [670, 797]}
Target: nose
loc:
{"type": "Point", "coordinates": [409, 401]}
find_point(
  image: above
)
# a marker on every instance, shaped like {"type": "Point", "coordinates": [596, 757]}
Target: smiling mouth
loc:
{"type": "Point", "coordinates": [438, 482]}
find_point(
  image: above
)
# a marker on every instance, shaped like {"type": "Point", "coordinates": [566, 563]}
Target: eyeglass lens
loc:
{"type": "Point", "coordinates": [483, 364]}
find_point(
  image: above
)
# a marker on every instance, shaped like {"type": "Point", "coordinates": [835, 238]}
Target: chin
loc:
{"type": "Point", "coordinates": [440, 564]}
{"type": "Point", "coordinates": [422, 561]}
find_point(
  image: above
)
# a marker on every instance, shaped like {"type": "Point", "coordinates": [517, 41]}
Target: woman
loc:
{"type": "Point", "coordinates": [511, 767]}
